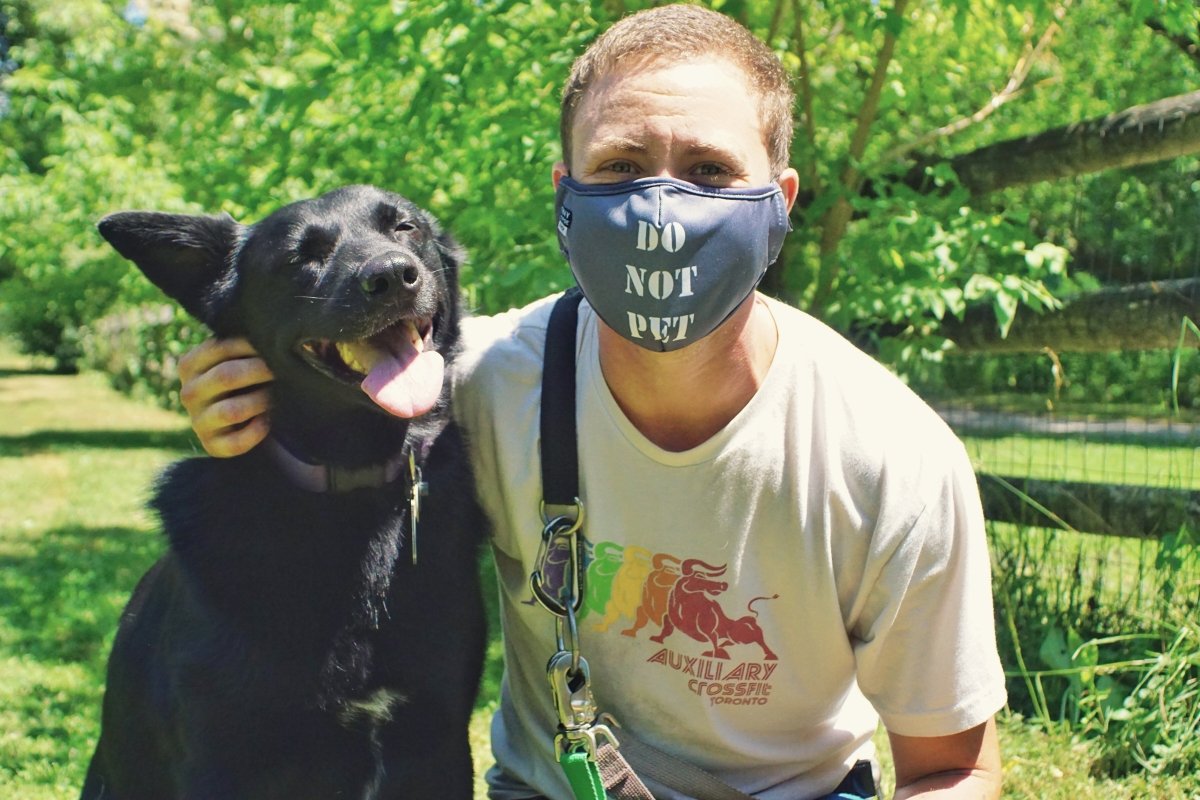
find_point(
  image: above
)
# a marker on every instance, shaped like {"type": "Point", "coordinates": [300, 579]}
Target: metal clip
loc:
{"type": "Point", "coordinates": [586, 739]}
{"type": "Point", "coordinates": [561, 533]}
{"type": "Point", "coordinates": [570, 680]}
{"type": "Point", "coordinates": [572, 690]}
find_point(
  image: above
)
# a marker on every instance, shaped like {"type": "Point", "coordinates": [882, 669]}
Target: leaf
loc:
{"type": "Point", "coordinates": [1005, 306]}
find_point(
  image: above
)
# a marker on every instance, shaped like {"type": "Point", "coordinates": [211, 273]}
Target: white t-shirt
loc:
{"type": "Point", "coordinates": [756, 604]}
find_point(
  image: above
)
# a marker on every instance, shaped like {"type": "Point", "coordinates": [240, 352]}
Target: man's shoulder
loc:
{"type": "Point", "coordinates": [518, 326]}
{"type": "Point", "coordinates": [856, 394]}
{"type": "Point", "coordinates": [503, 344]}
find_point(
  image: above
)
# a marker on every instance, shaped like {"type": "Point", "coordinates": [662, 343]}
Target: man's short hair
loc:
{"type": "Point", "coordinates": [678, 33]}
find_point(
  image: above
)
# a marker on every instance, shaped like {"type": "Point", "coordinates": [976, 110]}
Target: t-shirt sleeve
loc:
{"type": "Point", "coordinates": [925, 646]}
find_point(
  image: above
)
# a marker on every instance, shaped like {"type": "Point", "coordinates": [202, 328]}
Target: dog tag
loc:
{"type": "Point", "coordinates": [417, 488]}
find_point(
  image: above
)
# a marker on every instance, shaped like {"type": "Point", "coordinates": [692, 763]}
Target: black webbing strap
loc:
{"type": "Point", "coordinates": [560, 460]}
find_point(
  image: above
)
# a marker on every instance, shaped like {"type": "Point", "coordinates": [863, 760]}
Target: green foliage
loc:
{"type": "Point", "coordinates": [139, 348]}
{"type": "Point", "coordinates": [244, 107]}
{"type": "Point", "coordinates": [1102, 635]}
{"type": "Point", "coordinates": [931, 256]}
{"type": "Point", "coordinates": [1135, 383]}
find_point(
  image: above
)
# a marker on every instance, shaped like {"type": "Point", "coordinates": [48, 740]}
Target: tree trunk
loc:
{"type": "Point", "coordinates": [1141, 316]}
{"type": "Point", "coordinates": [1110, 509]}
{"type": "Point", "coordinates": [1157, 131]}
{"type": "Point", "coordinates": [1145, 134]}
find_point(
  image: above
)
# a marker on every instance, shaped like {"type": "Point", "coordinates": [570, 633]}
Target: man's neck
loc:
{"type": "Point", "coordinates": [680, 399]}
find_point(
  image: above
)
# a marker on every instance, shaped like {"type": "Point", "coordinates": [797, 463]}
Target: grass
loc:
{"type": "Point", "coordinates": [1076, 459]}
{"type": "Point", "coordinates": [75, 463]}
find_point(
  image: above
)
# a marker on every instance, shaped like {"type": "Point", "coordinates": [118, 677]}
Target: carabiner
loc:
{"type": "Point", "coordinates": [570, 592]}
{"type": "Point", "coordinates": [572, 690]}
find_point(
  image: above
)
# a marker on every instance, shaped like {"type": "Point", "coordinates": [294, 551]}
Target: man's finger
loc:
{"type": "Point", "coordinates": [237, 441]}
{"type": "Point", "coordinates": [224, 415]}
{"type": "Point", "coordinates": [226, 378]}
{"type": "Point", "coordinates": [210, 352]}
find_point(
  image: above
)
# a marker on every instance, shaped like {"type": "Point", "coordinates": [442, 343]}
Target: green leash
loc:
{"type": "Point", "coordinates": [583, 774]}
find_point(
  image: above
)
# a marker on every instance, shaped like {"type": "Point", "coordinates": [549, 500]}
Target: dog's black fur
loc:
{"type": "Point", "coordinates": [286, 646]}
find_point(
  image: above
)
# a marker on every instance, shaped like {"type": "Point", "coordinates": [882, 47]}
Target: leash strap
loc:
{"type": "Point", "coordinates": [670, 771]}
{"type": "Point", "coordinates": [583, 775]}
{"type": "Point", "coordinates": [560, 451]}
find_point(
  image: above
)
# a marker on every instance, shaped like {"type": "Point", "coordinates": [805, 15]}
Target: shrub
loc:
{"type": "Point", "coordinates": [139, 349]}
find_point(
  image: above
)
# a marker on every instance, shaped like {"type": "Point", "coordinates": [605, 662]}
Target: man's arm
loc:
{"type": "Point", "coordinates": [224, 392]}
{"type": "Point", "coordinates": [962, 765]}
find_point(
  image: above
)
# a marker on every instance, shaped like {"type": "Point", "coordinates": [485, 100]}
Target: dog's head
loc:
{"type": "Point", "coordinates": [356, 288]}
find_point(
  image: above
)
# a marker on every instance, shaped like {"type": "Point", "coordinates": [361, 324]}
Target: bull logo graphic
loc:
{"type": "Point", "coordinates": [692, 609]}
{"type": "Point", "coordinates": [624, 588]}
{"type": "Point", "coordinates": [602, 572]}
{"type": "Point", "coordinates": [656, 592]}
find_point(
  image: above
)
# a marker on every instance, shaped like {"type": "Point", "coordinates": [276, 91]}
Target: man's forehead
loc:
{"type": "Point", "coordinates": [683, 104]}
{"type": "Point", "coordinates": [645, 143]}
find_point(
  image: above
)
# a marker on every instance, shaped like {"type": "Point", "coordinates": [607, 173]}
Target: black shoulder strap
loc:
{"type": "Point", "coordinates": [560, 454]}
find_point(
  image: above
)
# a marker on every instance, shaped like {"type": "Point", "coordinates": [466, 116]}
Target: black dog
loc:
{"type": "Point", "coordinates": [306, 636]}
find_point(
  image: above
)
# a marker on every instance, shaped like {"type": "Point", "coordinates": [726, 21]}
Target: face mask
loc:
{"type": "Point", "coordinates": [665, 262]}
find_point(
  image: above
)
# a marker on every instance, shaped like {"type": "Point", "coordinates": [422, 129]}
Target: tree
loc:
{"type": "Point", "coordinates": [455, 103]}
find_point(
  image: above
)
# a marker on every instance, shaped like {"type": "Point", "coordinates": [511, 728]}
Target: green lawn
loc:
{"type": "Point", "coordinates": [75, 463]}
{"type": "Point", "coordinates": [1173, 467]}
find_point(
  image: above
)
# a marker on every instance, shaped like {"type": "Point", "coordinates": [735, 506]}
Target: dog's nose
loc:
{"type": "Point", "coordinates": [388, 276]}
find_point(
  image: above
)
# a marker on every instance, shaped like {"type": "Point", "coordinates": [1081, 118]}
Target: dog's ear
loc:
{"type": "Point", "coordinates": [188, 257]}
{"type": "Point", "coordinates": [452, 253]}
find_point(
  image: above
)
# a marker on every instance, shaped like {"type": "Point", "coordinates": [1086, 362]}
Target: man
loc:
{"type": "Point", "coordinates": [803, 534]}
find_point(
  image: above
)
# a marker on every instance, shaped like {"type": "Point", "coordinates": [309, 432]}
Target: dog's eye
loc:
{"type": "Point", "coordinates": [406, 228]}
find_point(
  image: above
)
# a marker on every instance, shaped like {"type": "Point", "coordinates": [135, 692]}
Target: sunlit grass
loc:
{"type": "Point", "coordinates": [1076, 459]}
{"type": "Point", "coordinates": [76, 461]}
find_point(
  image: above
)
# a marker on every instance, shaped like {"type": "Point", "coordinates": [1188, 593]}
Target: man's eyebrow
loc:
{"type": "Point", "coordinates": [707, 149]}
{"type": "Point", "coordinates": [621, 144]}
{"type": "Point", "coordinates": [626, 144]}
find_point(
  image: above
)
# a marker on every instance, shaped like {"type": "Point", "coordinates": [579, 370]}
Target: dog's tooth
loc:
{"type": "Point", "coordinates": [358, 356]}
{"type": "Point", "coordinates": [414, 336]}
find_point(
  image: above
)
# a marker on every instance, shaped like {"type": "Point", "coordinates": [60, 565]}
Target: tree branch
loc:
{"type": "Point", "coordinates": [1144, 134]}
{"type": "Point", "coordinates": [1189, 46]}
{"type": "Point", "coordinates": [833, 226]}
{"type": "Point", "coordinates": [1012, 88]}
{"type": "Point", "coordinates": [806, 97]}
{"type": "Point", "coordinates": [1140, 316]}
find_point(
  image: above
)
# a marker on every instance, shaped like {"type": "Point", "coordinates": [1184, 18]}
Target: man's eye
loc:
{"type": "Point", "coordinates": [620, 167]}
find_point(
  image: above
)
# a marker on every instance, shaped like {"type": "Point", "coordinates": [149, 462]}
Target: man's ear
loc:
{"type": "Point", "coordinates": [188, 257]}
{"type": "Point", "coordinates": [559, 172]}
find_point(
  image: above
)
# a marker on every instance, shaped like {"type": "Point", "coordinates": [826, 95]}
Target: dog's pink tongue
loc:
{"type": "Point", "coordinates": [406, 383]}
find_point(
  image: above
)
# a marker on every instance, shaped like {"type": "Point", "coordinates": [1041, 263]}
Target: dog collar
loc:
{"type": "Point", "coordinates": [315, 477]}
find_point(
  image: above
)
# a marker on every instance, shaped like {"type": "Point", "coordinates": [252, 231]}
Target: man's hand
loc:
{"type": "Point", "coordinates": [225, 395]}
{"type": "Point", "coordinates": [962, 765]}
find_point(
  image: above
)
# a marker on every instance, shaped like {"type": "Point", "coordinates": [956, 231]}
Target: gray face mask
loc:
{"type": "Point", "coordinates": [664, 262]}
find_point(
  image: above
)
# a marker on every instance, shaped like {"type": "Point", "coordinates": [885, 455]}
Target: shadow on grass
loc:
{"type": "Point", "coordinates": [182, 440]}
{"type": "Point", "coordinates": [27, 372]}
{"type": "Point", "coordinates": [60, 601]}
